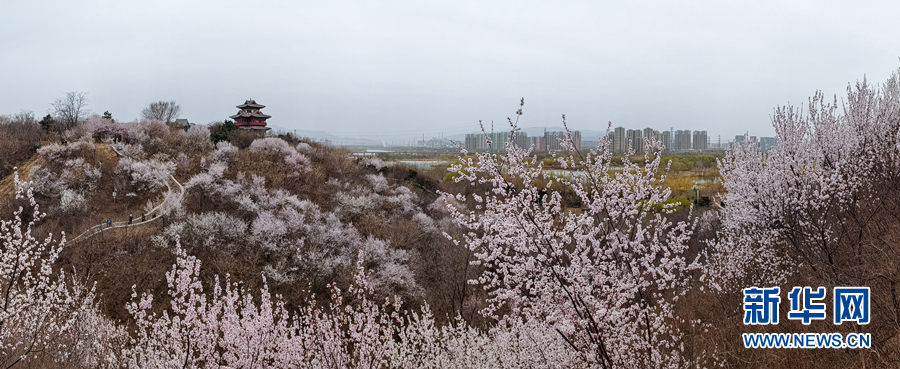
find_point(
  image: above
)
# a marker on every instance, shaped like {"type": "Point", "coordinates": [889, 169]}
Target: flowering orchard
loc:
{"type": "Point", "coordinates": [604, 279]}
{"type": "Point", "coordinates": [573, 272]}
{"type": "Point", "coordinates": [228, 328]}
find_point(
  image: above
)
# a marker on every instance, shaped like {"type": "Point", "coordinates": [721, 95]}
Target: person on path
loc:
{"type": "Point", "coordinates": [108, 222]}
{"type": "Point", "coordinates": [129, 218]}
{"type": "Point", "coordinates": [143, 218]}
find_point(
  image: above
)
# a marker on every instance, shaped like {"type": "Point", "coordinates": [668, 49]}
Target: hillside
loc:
{"type": "Point", "coordinates": [294, 211]}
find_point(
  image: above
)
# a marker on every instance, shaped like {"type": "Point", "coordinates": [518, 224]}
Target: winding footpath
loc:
{"type": "Point", "coordinates": [172, 185]}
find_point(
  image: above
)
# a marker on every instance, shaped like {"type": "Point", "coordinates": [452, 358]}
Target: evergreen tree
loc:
{"type": "Point", "coordinates": [47, 122]}
{"type": "Point", "coordinates": [219, 132]}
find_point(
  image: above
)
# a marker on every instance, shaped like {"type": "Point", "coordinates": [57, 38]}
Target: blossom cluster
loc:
{"type": "Point", "coordinates": [312, 242]}
{"type": "Point", "coordinates": [603, 277]}
{"type": "Point", "coordinates": [148, 175]}
{"type": "Point", "coordinates": [65, 175]}
{"type": "Point", "coordinates": [815, 203]}
{"type": "Point", "coordinates": [278, 148]}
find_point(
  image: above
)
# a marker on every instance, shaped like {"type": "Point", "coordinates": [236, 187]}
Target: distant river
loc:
{"type": "Point", "coordinates": [563, 173]}
{"type": "Point", "coordinates": [428, 164]}
{"type": "Point", "coordinates": [423, 164]}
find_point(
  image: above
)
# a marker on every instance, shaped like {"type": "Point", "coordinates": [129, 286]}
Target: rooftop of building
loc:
{"type": "Point", "coordinates": [243, 114]}
{"type": "Point", "coordinates": [250, 104]}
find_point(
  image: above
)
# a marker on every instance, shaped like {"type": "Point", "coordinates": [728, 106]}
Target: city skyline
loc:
{"type": "Point", "coordinates": [620, 139]}
{"type": "Point", "coordinates": [588, 136]}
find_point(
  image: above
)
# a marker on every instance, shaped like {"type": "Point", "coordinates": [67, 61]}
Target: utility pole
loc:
{"type": "Point", "coordinates": [492, 137]}
{"type": "Point", "coordinates": [672, 143]}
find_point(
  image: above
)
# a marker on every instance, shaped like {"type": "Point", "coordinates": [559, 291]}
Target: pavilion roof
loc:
{"type": "Point", "coordinates": [250, 104]}
{"type": "Point", "coordinates": [243, 114]}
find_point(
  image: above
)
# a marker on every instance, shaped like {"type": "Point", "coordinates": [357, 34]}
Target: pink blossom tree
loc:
{"type": "Point", "coordinates": [277, 148]}
{"type": "Point", "coordinates": [43, 314]}
{"type": "Point", "coordinates": [819, 209]}
{"type": "Point", "coordinates": [146, 175]}
{"type": "Point", "coordinates": [227, 328]}
{"type": "Point", "coordinates": [816, 204]}
{"type": "Point", "coordinates": [604, 277]}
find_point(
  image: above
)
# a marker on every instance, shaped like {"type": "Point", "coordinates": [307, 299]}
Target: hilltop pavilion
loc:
{"type": "Point", "coordinates": [250, 118]}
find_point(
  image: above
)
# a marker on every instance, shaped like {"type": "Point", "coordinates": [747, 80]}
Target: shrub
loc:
{"type": "Point", "coordinates": [146, 175]}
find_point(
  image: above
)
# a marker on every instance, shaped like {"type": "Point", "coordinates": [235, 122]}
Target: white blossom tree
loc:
{"type": "Point", "coordinates": [820, 209]}
{"type": "Point", "coordinates": [148, 175]}
{"type": "Point", "coordinates": [227, 328]}
{"type": "Point", "coordinates": [816, 204]}
{"type": "Point", "coordinates": [603, 276]}
{"type": "Point", "coordinates": [45, 317]}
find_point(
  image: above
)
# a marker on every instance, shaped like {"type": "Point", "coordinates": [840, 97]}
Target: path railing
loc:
{"type": "Point", "coordinates": [99, 228]}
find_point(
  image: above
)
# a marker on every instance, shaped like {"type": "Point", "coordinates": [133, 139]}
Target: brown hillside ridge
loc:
{"type": "Point", "coordinates": [103, 154]}
{"type": "Point", "coordinates": [7, 184]}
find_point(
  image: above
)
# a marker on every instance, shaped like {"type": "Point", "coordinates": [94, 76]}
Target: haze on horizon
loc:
{"type": "Point", "coordinates": [404, 69]}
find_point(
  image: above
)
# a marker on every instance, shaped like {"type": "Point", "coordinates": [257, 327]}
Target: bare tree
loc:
{"type": "Point", "coordinates": [165, 111]}
{"type": "Point", "coordinates": [24, 117]}
{"type": "Point", "coordinates": [70, 109]}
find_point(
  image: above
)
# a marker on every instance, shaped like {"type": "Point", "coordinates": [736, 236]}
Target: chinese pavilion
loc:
{"type": "Point", "coordinates": [250, 118]}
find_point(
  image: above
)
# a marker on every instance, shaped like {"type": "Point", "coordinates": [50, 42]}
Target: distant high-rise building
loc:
{"type": "Point", "coordinates": [534, 143]}
{"type": "Point", "coordinates": [700, 140]}
{"type": "Point", "coordinates": [617, 141]}
{"type": "Point", "coordinates": [740, 139]}
{"type": "Point", "coordinates": [637, 142]}
{"type": "Point", "coordinates": [682, 141]}
{"type": "Point", "coordinates": [767, 143]}
{"type": "Point", "coordinates": [611, 138]}
{"type": "Point", "coordinates": [666, 140]}
{"type": "Point", "coordinates": [650, 133]}
{"type": "Point", "coordinates": [478, 141]}
{"type": "Point", "coordinates": [553, 139]}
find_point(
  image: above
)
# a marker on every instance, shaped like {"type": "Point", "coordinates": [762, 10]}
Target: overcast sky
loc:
{"type": "Point", "coordinates": [407, 68]}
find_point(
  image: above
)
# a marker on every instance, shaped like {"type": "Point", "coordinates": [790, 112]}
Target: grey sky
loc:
{"type": "Point", "coordinates": [408, 68]}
